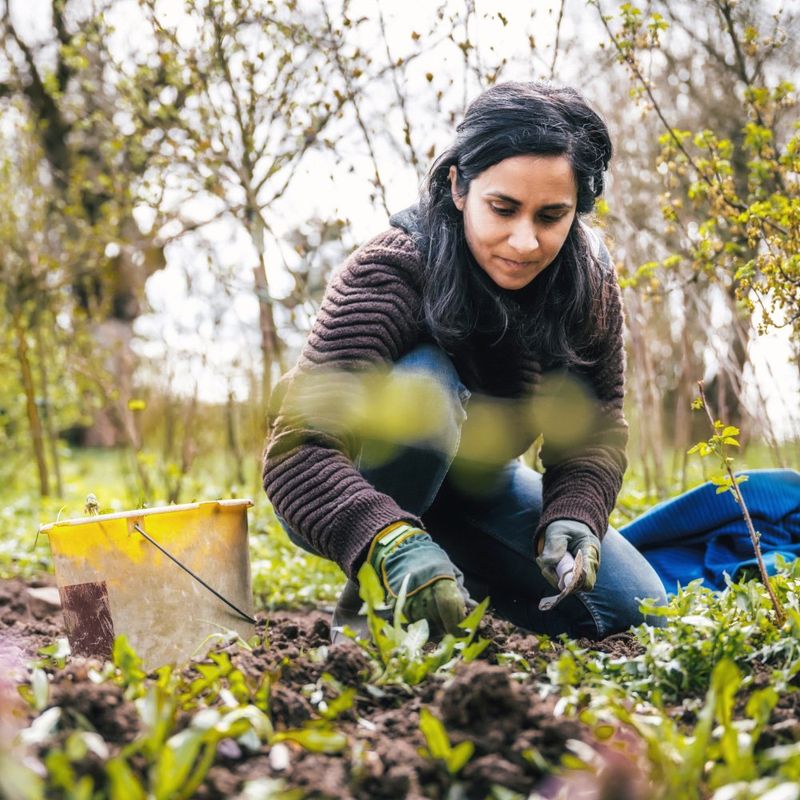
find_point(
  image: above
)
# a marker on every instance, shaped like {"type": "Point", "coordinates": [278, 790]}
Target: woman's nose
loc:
{"type": "Point", "coordinates": [523, 238]}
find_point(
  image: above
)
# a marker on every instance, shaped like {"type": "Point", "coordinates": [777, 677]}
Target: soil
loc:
{"type": "Point", "coordinates": [518, 738]}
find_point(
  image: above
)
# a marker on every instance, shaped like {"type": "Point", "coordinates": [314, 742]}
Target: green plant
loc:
{"type": "Point", "coordinates": [709, 756]}
{"type": "Point", "coordinates": [168, 759]}
{"type": "Point", "coordinates": [281, 569]}
{"type": "Point", "coordinates": [398, 650]}
{"type": "Point", "coordinates": [721, 438]}
{"type": "Point", "coordinates": [674, 666]}
{"type": "Point", "coordinates": [439, 746]}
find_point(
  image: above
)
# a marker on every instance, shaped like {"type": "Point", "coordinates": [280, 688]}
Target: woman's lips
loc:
{"type": "Point", "coordinates": [516, 264]}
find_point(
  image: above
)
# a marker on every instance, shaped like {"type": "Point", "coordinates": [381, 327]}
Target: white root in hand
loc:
{"type": "Point", "coordinates": [571, 578]}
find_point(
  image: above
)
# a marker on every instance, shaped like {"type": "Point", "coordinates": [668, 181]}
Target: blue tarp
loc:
{"type": "Point", "coordinates": [702, 534]}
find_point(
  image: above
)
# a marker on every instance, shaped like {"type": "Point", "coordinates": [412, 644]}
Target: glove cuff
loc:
{"type": "Point", "coordinates": [571, 526]}
{"type": "Point", "coordinates": [387, 540]}
{"type": "Point", "coordinates": [565, 525]}
{"type": "Point", "coordinates": [390, 545]}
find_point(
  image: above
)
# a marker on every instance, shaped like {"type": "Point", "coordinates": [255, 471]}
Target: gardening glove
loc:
{"type": "Point", "coordinates": [569, 536]}
{"type": "Point", "coordinates": [435, 589]}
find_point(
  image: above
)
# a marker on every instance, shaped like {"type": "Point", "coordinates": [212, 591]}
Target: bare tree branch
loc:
{"type": "Point", "coordinates": [558, 36]}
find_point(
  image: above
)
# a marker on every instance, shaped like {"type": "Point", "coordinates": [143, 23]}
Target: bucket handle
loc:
{"type": "Point", "coordinates": [169, 555]}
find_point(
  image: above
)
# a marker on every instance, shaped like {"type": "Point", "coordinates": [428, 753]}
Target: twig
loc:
{"type": "Point", "coordinates": [557, 42]}
{"type": "Point", "coordinates": [630, 60]}
{"type": "Point", "coordinates": [780, 616]}
{"type": "Point", "coordinates": [351, 94]}
{"type": "Point", "coordinates": [401, 98]}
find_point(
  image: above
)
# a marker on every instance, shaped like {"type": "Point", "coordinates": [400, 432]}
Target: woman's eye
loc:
{"type": "Point", "coordinates": [552, 219]}
{"type": "Point", "coordinates": [503, 212]}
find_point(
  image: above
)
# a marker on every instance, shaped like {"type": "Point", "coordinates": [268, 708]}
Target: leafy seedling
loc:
{"type": "Point", "coordinates": [439, 746]}
{"type": "Point", "coordinates": [401, 650]}
{"type": "Point", "coordinates": [724, 436]}
{"type": "Point", "coordinates": [314, 739]}
{"type": "Point", "coordinates": [37, 693]}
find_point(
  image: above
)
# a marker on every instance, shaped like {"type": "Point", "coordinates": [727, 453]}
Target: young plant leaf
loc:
{"type": "Point", "coordinates": [369, 586]}
{"type": "Point", "coordinates": [459, 756]}
{"type": "Point", "coordinates": [414, 639]}
{"type": "Point", "coordinates": [435, 734]}
{"type": "Point", "coordinates": [340, 704]}
{"type": "Point", "coordinates": [438, 742]}
{"type": "Point", "coordinates": [37, 693]}
{"type": "Point", "coordinates": [317, 740]}
{"type": "Point", "coordinates": [56, 653]}
{"type": "Point", "coordinates": [128, 662]}
{"type": "Point", "coordinates": [122, 780]}
{"type": "Point", "coordinates": [176, 761]}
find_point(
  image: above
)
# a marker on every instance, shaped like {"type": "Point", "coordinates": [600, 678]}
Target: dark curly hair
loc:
{"type": "Point", "coordinates": [563, 307]}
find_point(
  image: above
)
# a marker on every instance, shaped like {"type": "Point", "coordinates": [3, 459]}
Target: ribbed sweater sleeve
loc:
{"type": "Point", "coordinates": [583, 484]}
{"type": "Point", "coordinates": [367, 319]}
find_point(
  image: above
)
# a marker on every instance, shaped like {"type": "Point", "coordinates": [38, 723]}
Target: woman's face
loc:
{"type": "Point", "coordinates": [517, 215]}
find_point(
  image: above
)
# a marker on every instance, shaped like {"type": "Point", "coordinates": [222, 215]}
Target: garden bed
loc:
{"type": "Point", "coordinates": [287, 715]}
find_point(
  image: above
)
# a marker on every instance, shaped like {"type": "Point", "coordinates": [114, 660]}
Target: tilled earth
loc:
{"type": "Point", "coordinates": [506, 718]}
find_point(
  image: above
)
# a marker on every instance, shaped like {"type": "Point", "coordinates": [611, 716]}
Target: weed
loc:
{"type": "Point", "coordinates": [439, 746]}
{"type": "Point", "coordinates": [724, 436]}
{"type": "Point", "coordinates": [398, 650]}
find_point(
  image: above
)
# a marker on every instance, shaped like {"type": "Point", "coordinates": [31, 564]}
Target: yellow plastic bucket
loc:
{"type": "Point", "coordinates": [113, 578]}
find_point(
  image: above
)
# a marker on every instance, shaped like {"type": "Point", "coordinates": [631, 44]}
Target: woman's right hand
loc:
{"type": "Point", "coordinates": [434, 591]}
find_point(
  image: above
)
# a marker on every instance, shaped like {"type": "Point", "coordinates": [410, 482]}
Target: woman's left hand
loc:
{"type": "Point", "coordinates": [569, 536]}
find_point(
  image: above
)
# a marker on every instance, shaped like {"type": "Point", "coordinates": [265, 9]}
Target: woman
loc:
{"type": "Point", "coordinates": [493, 291]}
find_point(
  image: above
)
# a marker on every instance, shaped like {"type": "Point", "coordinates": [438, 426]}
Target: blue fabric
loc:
{"type": "Point", "coordinates": [702, 534]}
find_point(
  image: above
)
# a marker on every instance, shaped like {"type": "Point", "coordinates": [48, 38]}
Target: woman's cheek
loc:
{"type": "Point", "coordinates": [495, 227]}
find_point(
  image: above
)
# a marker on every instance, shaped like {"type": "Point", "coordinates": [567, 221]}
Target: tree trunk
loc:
{"type": "Point", "coordinates": [255, 421]}
{"type": "Point", "coordinates": [34, 420]}
{"type": "Point", "coordinates": [650, 436]}
{"type": "Point", "coordinates": [691, 370]}
{"type": "Point", "coordinates": [726, 385]}
{"type": "Point", "coordinates": [234, 446]}
{"type": "Point", "coordinates": [270, 345]}
{"type": "Point", "coordinates": [52, 437]}
{"type": "Point", "coordinates": [270, 341]}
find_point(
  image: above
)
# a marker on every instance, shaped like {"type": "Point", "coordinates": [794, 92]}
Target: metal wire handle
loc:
{"type": "Point", "coordinates": [196, 577]}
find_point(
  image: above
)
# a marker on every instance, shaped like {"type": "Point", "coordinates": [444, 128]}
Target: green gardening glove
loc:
{"type": "Point", "coordinates": [435, 590]}
{"type": "Point", "coordinates": [569, 536]}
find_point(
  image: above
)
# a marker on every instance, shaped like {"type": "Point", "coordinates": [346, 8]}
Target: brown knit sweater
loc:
{"type": "Point", "coordinates": [369, 318]}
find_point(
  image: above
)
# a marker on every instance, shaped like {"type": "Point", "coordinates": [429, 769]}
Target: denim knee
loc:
{"type": "Point", "coordinates": [432, 363]}
{"type": "Point", "coordinates": [294, 538]}
{"type": "Point", "coordinates": [654, 591]}
{"type": "Point", "coordinates": [425, 390]}
{"type": "Point", "coordinates": [624, 579]}
{"type": "Point", "coordinates": [645, 584]}
{"type": "Point", "coordinates": [412, 471]}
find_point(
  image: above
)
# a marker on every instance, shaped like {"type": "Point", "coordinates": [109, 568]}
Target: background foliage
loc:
{"type": "Point", "coordinates": [165, 244]}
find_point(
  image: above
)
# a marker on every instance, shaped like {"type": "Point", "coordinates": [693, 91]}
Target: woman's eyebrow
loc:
{"type": "Point", "coordinates": [507, 199]}
{"type": "Point", "coordinates": [503, 197]}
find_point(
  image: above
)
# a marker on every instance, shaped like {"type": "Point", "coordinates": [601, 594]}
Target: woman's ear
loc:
{"type": "Point", "coordinates": [453, 175]}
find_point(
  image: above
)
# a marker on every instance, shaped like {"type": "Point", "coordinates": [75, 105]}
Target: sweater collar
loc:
{"type": "Point", "coordinates": [407, 220]}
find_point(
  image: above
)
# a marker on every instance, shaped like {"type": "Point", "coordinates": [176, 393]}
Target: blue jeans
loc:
{"type": "Point", "coordinates": [489, 535]}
